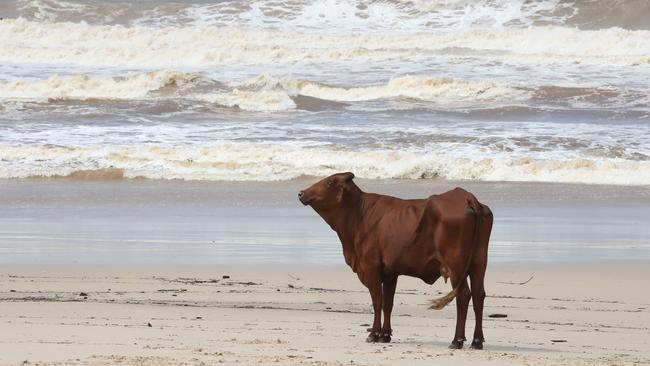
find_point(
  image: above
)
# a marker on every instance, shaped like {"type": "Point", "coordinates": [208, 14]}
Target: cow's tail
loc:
{"type": "Point", "coordinates": [474, 207]}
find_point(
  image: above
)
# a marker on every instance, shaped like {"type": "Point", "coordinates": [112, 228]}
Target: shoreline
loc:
{"type": "Point", "coordinates": [116, 175]}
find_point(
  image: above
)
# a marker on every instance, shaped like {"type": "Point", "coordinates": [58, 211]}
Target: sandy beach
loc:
{"type": "Point", "coordinates": [569, 315]}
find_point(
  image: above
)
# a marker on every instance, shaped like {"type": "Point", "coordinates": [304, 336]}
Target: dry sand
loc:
{"type": "Point", "coordinates": [299, 316]}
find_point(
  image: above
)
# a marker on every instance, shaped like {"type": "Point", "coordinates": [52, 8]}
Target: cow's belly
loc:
{"type": "Point", "coordinates": [420, 263]}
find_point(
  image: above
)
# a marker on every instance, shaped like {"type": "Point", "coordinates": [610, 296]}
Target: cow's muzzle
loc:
{"type": "Point", "coordinates": [301, 197]}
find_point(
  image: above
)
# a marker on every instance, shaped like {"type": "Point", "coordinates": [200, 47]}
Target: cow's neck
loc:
{"type": "Point", "coordinates": [346, 220]}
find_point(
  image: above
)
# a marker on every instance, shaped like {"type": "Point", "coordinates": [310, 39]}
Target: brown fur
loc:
{"type": "Point", "coordinates": [384, 237]}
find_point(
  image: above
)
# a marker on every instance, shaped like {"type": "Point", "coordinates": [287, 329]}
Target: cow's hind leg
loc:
{"type": "Point", "coordinates": [389, 286]}
{"type": "Point", "coordinates": [478, 296]}
{"type": "Point", "coordinates": [477, 278]}
{"type": "Point", "coordinates": [462, 304]}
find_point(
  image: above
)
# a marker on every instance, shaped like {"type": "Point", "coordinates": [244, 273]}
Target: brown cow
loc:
{"type": "Point", "coordinates": [383, 237]}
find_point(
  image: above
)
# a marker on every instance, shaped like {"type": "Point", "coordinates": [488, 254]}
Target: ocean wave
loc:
{"type": "Point", "coordinates": [580, 96]}
{"type": "Point", "coordinates": [267, 93]}
{"type": "Point", "coordinates": [203, 47]}
{"type": "Point", "coordinates": [263, 93]}
{"type": "Point", "coordinates": [417, 87]}
{"type": "Point", "coordinates": [83, 87]}
{"type": "Point", "coordinates": [342, 15]}
{"type": "Point", "coordinates": [266, 162]}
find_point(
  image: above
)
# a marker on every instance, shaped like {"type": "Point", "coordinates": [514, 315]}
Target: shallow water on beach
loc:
{"type": "Point", "coordinates": [172, 223]}
{"type": "Point", "coordinates": [236, 90]}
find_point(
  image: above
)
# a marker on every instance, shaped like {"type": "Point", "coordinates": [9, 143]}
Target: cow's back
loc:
{"type": "Point", "coordinates": [394, 219]}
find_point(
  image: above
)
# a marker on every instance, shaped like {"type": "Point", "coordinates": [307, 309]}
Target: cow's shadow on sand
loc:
{"type": "Point", "coordinates": [440, 346]}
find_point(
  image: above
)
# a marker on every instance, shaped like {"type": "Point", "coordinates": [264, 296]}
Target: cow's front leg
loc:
{"type": "Point", "coordinates": [389, 286]}
{"type": "Point", "coordinates": [373, 282]}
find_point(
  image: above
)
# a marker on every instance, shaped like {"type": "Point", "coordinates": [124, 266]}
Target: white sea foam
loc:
{"type": "Point", "coordinates": [81, 87]}
{"type": "Point", "coordinates": [334, 16]}
{"type": "Point", "coordinates": [23, 41]}
{"type": "Point", "coordinates": [264, 162]}
{"type": "Point", "coordinates": [258, 101]}
{"type": "Point", "coordinates": [321, 15]}
{"type": "Point", "coordinates": [417, 87]}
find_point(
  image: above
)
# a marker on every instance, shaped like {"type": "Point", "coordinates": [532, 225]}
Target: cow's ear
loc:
{"type": "Point", "coordinates": [349, 176]}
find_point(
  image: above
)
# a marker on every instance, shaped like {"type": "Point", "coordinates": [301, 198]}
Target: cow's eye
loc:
{"type": "Point", "coordinates": [330, 184]}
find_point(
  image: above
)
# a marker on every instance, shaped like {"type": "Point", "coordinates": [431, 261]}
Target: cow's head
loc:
{"type": "Point", "coordinates": [328, 193]}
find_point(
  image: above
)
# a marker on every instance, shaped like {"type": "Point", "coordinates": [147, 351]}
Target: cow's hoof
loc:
{"type": "Point", "coordinates": [456, 344]}
{"type": "Point", "coordinates": [372, 337]}
{"type": "Point", "coordinates": [384, 338]}
{"type": "Point", "coordinates": [477, 344]}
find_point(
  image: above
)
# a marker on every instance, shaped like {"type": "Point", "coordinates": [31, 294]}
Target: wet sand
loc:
{"type": "Point", "coordinates": [569, 315]}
